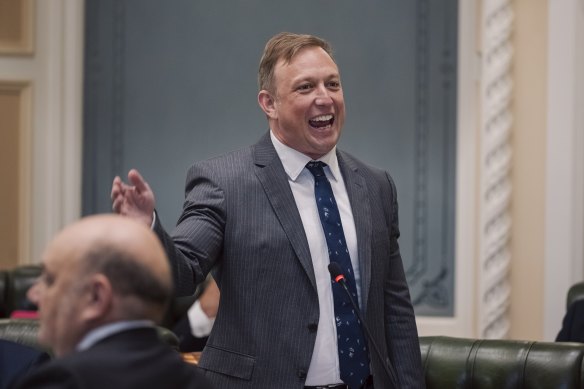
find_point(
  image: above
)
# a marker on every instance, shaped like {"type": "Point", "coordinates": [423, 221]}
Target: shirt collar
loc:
{"type": "Point", "coordinates": [294, 161]}
{"type": "Point", "coordinates": [102, 332]}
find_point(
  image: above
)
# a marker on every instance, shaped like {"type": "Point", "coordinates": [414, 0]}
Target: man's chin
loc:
{"type": "Point", "coordinates": [44, 339]}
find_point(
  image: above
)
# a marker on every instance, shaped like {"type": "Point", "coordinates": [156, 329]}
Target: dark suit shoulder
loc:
{"type": "Point", "coordinates": [231, 159]}
{"type": "Point", "coordinates": [363, 168]}
{"type": "Point", "coordinates": [133, 374]}
{"type": "Point", "coordinates": [18, 360]}
{"type": "Point", "coordinates": [573, 324]}
{"type": "Point", "coordinates": [133, 359]}
{"type": "Point", "coordinates": [52, 375]}
{"type": "Point", "coordinates": [378, 180]}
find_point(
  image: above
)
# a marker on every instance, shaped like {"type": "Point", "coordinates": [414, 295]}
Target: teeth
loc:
{"type": "Point", "coordinates": [323, 118]}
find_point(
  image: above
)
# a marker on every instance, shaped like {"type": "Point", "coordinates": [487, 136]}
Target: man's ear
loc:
{"type": "Point", "coordinates": [267, 103]}
{"type": "Point", "coordinates": [98, 299]}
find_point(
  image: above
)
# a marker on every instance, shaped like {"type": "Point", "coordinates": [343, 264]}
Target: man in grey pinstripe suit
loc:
{"type": "Point", "coordinates": [251, 216]}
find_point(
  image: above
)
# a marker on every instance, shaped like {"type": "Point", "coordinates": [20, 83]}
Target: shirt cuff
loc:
{"type": "Point", "coordinates": [201, 325]}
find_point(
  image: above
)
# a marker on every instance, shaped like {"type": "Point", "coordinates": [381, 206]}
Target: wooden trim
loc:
{"type": "Point", "coordinates": [20, 14]}
{"type": "Point", "coordinates": [23, 90]}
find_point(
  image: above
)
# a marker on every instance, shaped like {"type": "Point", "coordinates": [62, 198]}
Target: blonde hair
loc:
{"type": "Point", "coordinates": [285, 46]}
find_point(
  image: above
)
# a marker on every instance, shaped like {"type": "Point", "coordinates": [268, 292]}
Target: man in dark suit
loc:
{"type": "Point", "coordinates": [104, 285]}
{"type": "Point", "coordinates": [195, 325]}
{"type": "Point", "coordinates": [573, 324]}
{"type": "Point", "coordinates": [17, 360]}
{"type": "Point", "coordinates": [257, 216]}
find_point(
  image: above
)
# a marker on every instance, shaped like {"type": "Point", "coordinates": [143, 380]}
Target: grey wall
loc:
{"type": "Point", "coordinates": [171, 82]}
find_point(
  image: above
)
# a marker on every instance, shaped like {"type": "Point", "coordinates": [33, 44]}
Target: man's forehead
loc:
{"type": "Point", "coordinates": [57, 256]}
{"type": "Point", "coordinates": [307, 56]}
{"type": "Point", "coordinates": [51, 264]}
{"type": "Point", "coordinates": [282, 61]}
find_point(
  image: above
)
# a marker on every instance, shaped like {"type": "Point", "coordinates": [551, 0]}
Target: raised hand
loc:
{"type": "Point", "coordinates": [135, 200]}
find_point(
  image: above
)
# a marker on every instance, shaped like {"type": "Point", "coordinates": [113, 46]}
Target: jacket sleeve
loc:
{"type": "Point", "coordinates": [197, 240]}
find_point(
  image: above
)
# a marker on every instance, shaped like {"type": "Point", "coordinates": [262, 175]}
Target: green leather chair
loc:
{"type": "Point", "coordinates": [501, 364]}
{"type": "Point", "coordinates": [14, 283]}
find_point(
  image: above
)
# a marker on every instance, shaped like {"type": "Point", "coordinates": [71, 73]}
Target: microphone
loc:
{"type": "Point", "coordinates": [339, 278]}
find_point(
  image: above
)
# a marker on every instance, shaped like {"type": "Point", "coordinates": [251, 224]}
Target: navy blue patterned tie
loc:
{"type": "Point", "coordinates": [353, 355]}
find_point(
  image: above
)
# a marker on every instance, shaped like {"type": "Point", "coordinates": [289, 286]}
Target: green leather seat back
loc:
{"type": "Point", "coordinates": [14, 285]}
{"type": "Point", "coordinates": [548, 368]}
{"type": "Point", "coordinates": [443, 365]}
{"type": "Point", "coordinates": [501, 364]}
{"type": "Point", "coordinates": [3, 287]}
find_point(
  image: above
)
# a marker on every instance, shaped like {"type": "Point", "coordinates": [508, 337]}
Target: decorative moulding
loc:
{"type": "Point", "coordinates": [16, 27]}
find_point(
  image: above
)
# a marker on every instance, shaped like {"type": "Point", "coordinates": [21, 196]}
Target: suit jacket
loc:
{"type": "Point", "coordinates": [240, 216]}
{"type": "Point", "coordinates": [17, 360]}
{"type": "Point", "coordinates": [132, 359]}
{"type": "Point", "coordinates": [573, 324]}
{"type": "Point", "coordinates": [187, 342]}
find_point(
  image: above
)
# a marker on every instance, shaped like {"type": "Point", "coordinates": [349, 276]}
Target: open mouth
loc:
{"type": "Point", "coordinates": [322, 121]}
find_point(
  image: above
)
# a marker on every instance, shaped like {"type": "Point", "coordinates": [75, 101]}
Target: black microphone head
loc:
{"type": "Point", "coordinates": [335, 270]}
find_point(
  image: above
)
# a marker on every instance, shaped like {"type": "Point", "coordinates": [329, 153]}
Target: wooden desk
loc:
{"type": "Point", "coordinates": [191, 357]}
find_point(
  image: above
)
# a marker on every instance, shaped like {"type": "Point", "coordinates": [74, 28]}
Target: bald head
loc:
{"type": "Point", "coordinates": [114, 233]}
{"type": "Point", "coordinates": [100, 270]}
{"type": "Point", "coordinates": [127, 253]}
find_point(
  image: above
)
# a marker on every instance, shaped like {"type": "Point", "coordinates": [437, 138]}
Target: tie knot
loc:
{"type": "Point", "coordinates": [316, 168]}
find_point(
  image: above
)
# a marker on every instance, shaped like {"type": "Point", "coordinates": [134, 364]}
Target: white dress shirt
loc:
{"type": "Point", "coordinates": [324, 366]}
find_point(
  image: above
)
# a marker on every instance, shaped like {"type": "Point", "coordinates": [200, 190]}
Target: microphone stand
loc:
{"type": "Point", "coordinates": [339, 278]}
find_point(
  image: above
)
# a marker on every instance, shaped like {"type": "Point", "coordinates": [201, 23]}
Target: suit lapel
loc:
{"type": "Point", "coordinates": [272, 176]}
{"type": "Point", "coordinates": [357, 191]}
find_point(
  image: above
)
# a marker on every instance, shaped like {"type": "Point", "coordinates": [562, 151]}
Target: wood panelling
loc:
{"type": "Point", "coordinates": [14, 171]}
{"type": "Point", "coordinates": [16, 26]}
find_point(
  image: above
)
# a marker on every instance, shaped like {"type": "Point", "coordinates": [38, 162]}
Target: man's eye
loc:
{"type": "Point", "coordinates": [334, 84]}
{"type": "Point", "coordinates": [304, 87]}
{"type": "Point", "coordinates": [47, 279]}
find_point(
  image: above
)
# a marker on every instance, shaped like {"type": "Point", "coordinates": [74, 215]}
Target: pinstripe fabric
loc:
{"type": "Point", "coordinates": [240, 216]}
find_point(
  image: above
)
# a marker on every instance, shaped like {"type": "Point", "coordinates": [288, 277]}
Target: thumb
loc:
{"type": "Point", "coordinates": [136, 179]}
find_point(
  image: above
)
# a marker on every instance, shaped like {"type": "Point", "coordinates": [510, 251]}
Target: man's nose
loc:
{"type": "Point", "coordinates": [323, 96]}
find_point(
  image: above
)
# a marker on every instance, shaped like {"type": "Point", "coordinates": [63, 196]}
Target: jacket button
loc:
{"type": "Point", "coordinates": [301, 374]}
{"type": "Point", "coordinates": [312, 327]}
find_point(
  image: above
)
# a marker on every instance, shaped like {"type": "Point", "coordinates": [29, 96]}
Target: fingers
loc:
{"type": "Point", "coordinates": [120, 190]}
{"type": "Point", "coordinates": [116, 187]}
{"type": "Point", "coordinates": [134, 199]}
{"type": "Point", "coordinates": [117, 204]}
{"type": "Point", "coordinates": [136, 179]}
{"type": "Point", "coordinates": [116, 194]}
